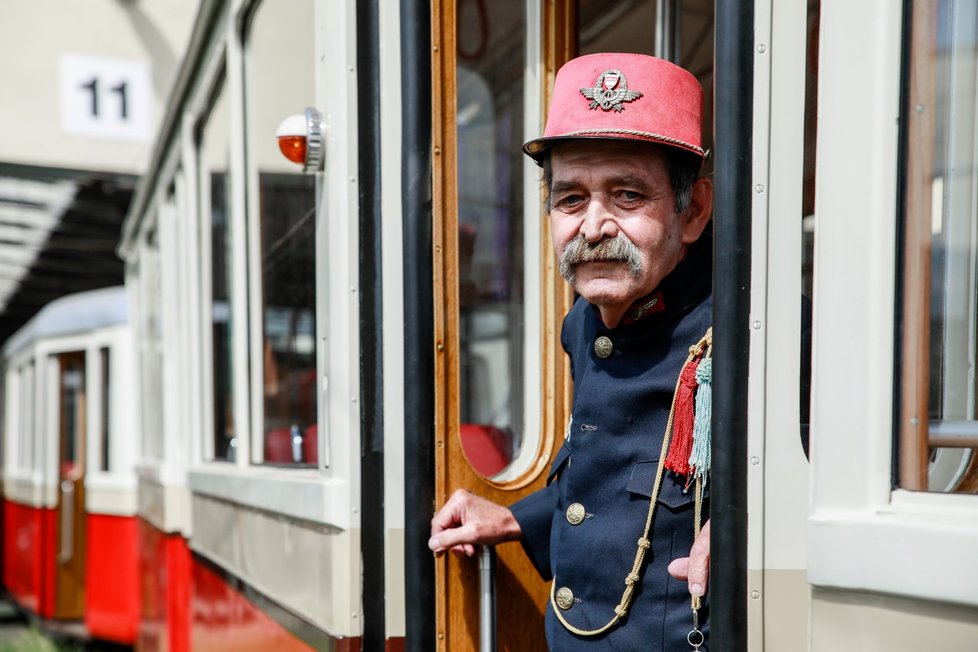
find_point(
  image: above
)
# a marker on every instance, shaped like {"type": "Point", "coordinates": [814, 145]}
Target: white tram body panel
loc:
{"type": "Point", "coordinates": [891, 569]}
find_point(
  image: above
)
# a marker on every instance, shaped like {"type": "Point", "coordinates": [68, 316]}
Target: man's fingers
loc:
{"type": "Point", "coordinates": [450, 538]}
{"type": "Point", "coordinates": [448, 516]}
{"type": "Point", "coordinates": [679, 568]}
{"type": "Point", "coordinates": [699, 562]}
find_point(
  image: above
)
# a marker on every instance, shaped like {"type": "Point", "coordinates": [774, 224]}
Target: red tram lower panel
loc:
{"type": "Point", "coordinates": [164, 570]}
{"type": "Point", "coordinates": [223, 619]}
{"type": "Point", "coordinates": [28, 562]}
{"type": "Point", "coordinates": [112, 586]}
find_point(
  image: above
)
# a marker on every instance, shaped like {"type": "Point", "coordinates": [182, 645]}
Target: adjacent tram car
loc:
{"type": "Point", "coordinates": [70, 537]}
{"type": "Point", "coordinates": [345, 307]}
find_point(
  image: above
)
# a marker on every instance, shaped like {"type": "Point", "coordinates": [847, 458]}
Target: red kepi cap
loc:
{"type": "Point", "coordinates": [626, 97]}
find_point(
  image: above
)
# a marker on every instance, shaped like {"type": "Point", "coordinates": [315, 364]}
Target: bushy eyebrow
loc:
{"type": "Point", "coordinates": [628, 180]}
{"type": "Point", "coordinates": [631, 181]}
{"type": "Point", "coordinates": [561, 187]}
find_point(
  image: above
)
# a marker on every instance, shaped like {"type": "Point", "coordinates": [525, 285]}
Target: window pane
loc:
{"type": "Point", "coordinates": [26, 442]}
{"type": "Point", "coordinates": [151, 346]}
{"type": "Point", "coordinates": [72, 384]}
{"type": "Point", "coordinates": [215, 177]}
{"type": "Point", "coordinates": [808, 215]}
{"type": "Point", "coordinates": [104, 416]}
{"type": "Point", "coordinates": [286, 213]}
{"type": "Point", "coordinates": [687, 27]}
{"type": "Point", "coordinates": [938, 424]}
{"type": "Point", "coordinates": [490, 104]}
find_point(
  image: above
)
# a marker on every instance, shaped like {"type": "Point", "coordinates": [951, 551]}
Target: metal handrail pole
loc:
{"type": "Point", "coordinates": [487, 599]}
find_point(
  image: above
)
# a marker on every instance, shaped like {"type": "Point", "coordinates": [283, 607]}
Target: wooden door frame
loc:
{"type": "Point", "coordinates": [69, 585]}
{"type": "Point", "coordinates": [522, 593]}
{"type": "Point", "coordinates": [914, 440]}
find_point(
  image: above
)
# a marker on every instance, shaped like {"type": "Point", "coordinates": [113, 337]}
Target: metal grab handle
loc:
{"type": "Point", "coordinates": [296, 435]}
{"type": "Point", "coordinates": [487, 599]}
{"type": "Point", "coordinates": [67, 522]}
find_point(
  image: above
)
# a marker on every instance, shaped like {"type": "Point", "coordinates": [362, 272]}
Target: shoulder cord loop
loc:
{"type": "Point", "coordinates": [644, 543]}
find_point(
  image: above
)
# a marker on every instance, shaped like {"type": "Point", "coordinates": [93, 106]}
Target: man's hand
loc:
{"type": "Point", "coordinates": [467, 520]}
{"type": "Point", "coordinates": [696, 567]}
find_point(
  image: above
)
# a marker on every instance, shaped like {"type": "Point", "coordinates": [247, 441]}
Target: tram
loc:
{"type": "Point", "coordinates": [70, 499]}
{"type": "Point", "coordinates": [344, 306]}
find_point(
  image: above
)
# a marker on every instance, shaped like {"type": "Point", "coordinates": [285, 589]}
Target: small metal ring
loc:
{"type": "Point", "coordinates": [693, 633]}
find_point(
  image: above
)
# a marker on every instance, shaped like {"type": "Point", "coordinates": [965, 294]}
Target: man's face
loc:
{"type": "Point", "coordinates": [613, 221]}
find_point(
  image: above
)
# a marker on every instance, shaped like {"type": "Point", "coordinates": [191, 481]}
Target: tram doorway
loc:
{"type": "Point", "coordinates": [70, 541]}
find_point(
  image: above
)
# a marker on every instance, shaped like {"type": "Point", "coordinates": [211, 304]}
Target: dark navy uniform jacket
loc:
{"type": "Point", "coordinates": [608, 464]}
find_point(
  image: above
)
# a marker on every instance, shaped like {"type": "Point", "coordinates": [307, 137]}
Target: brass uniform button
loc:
{"type": "Point", "coordinates": [575, 513]}
{"type": "Point", "coordinates": [603, 346]}
{"type": "Point", "coordinates": [565, 598]}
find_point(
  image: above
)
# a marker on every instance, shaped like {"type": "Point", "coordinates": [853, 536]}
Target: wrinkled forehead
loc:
{"type": "Point", "coordinates": [599, 157]}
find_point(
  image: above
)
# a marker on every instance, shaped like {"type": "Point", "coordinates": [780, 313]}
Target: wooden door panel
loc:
{"type": "Point", "coordinates": [521, 594]}
{"type": "Point", "coordinates": [69, 601]}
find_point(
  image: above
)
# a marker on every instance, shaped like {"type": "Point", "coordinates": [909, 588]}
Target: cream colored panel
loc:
{"type": "Point", "coordinates": [311, 570]}
{"type": "Point", "coordinates": [787, 603]}
{"type": "Point", "coordinates": [279, 74]}
{"type": "Point", "coordinates": [30, 493]}
{"type": "Point", "coordinates": [115, 501]}
{"type": "Point", "coordinates": [394, 577]}
{"type": "Point", "coordinates": [165, 506]}
{"type": "Point", "coordinates": [876, 623]}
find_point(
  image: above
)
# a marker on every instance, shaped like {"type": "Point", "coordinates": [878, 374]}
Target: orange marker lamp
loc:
{"type": "Point", "coordinates": [300, 137]}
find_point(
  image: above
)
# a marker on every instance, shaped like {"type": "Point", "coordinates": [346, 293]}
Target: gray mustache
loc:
{"type": "Point", "coordinates": [618, 249]}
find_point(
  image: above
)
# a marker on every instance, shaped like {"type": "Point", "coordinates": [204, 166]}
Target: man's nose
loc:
{"type": "Point", "coordinates": [599, 221]}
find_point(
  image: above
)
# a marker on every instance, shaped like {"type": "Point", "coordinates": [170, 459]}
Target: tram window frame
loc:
{"type": "Point", "coordinates": [472, 309]}
{"type": "Point", "coordinates": [263, 165]}
{"type": "Point", "coordinates": [324, 494]}
{"type": "Point", "coordinates": [860, 524]}
{"type": "Point", "coordinates": [939, 174]}
{"type": "Point", "coordinates": [148, 276]}
{"type": "Point", "coordinates": [219, 88]}
{"type": "Point", "coordinates": [103, 373]}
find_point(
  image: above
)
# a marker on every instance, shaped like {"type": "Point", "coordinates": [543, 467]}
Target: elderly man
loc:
{"type": "Point", "coordinates": [621, 155]}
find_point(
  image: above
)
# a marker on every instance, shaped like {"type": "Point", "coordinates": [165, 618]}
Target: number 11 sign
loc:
{"type": "Point", "coordinates": [106, 98]}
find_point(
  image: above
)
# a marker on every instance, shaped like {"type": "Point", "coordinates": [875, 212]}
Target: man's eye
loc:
{"type": "Point", "coordinates": [570, 200]}
{"type": "Point", "coordinates": [629, 195]}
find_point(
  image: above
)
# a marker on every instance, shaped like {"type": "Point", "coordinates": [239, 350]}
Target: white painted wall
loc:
{"type": "Point", "coordinates": [38, 38]}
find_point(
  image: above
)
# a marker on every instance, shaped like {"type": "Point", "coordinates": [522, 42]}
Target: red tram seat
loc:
{"type": "Point", "coordinates": [310, 447]}
{"type": "Point", "coordinates": [487, 448]}
{"type": "Point", "coordinates": [278, 446]}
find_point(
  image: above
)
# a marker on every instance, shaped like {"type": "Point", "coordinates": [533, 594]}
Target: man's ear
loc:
{"type": "Point", "coordinates": [696, 217]}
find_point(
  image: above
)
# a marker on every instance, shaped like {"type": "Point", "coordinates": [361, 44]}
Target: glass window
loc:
{"type": "Point", "coordinates": [151, 345]}
{"type": "Point", "coordinates": [8, 417]}
{"type": "Point", "coordinates": [26, 430]}
{"type": "Point", "coordinates": [72, 418]}
{"type": "Point", "coordinates": [491, 284]}
{"type": "Point", "coordinates": [682, 34]}
{"type": "Point", "coordinates": [215, 181]}
{"type": "Point", "coordinates": [104, 414]}
{"type": "Point", "coordinates": [938, 426]}
{"type": "Point", "coordinates": [808, 215]}
{"type": "Point", "coordinates": [281, 38]}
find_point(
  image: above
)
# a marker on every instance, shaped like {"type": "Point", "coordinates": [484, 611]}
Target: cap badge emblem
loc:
{"type": "Point", "coordinates": [610, 91]}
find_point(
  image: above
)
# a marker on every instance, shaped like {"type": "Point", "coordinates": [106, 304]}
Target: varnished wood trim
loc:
{"type": "Point", "coordinates": [915, 378]}
{"type": "Point", "coordinates": [522, 595]}
{"type": "Point", "coordinates": [443, 163]}
{"type": "Point", "coordinates": [70, 580]}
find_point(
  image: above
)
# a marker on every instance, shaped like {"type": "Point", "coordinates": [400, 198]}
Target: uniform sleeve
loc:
{"type": "Point", "coordinates": [535, 515]}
